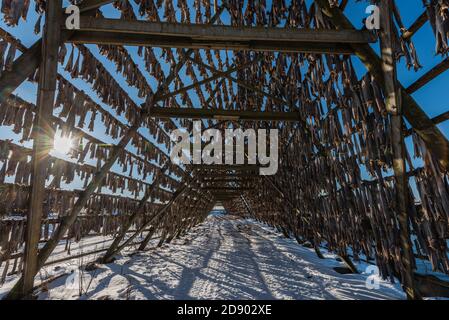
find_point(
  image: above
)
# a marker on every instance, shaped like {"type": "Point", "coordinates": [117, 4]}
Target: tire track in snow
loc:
{"type": "Point", "coordinates": [232, 272]}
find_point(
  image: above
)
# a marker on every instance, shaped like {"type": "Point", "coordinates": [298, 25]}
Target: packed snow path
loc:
{"type": "Point", "coordinates": [224, 258]}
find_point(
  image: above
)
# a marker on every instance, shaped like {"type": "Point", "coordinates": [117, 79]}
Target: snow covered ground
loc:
{"type": "Point", "coordinates": [224, 258]}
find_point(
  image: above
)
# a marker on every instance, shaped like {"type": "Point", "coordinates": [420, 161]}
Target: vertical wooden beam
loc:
{"type": "Point", "coordinates": [319, 254]}
{"type": "Point", "coordinates": [148, 237]}
{"type": "Point", "coordinates": [43, 140]}
{"type": "Point", "coordinates": [348, 262]}
{"type": "Point", "coordinates": [394, 107]}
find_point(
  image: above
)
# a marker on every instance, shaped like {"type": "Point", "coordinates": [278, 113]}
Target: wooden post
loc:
{"type": "Point", "coordinates": [43, 142]}
{"type": "Point", "coordinates": [393, 103]}
{"type": "Point", "coordinates": [147, 239]}
{"type": "Point", "coordinates": [349, 263]}
{"type": "Point", "coordinates": [317, 251]}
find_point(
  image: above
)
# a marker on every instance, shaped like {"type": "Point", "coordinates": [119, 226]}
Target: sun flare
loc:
{"type": "Point", "coordinates": [62, 144]}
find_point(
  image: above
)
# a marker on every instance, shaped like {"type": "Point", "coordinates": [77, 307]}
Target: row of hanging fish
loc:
{"type": "Point", "coordinates": [99, 218]}
{"type": "Point", "coordinates": [353, 217]}
{"type": "Point", "coordinates": [58, 203]}
{"type": "Point", "coordinates": [16, 162]}
{"type": "Point", "coordinates": [111, 93]}
{"type": "Point", "coordinates": [337, 236]}
{"type": "Point", "coordinates": [79, 98]}
{"type": "Point", "coordinates": [77, 105]}
{"type": "Point", "coordinates": [20, 114]}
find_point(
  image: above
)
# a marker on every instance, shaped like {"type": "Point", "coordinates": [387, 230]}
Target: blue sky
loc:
{"type": "Point", "coordinates": [431, 97]}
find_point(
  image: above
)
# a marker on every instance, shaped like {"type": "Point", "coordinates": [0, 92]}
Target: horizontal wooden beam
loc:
{"type": "Point", "coordinates": [431, 286]}
{"type": "Point", "coordinates": [226, 184]}
{"type": "Point", "coordinates": [144, 33]}
{"type": "Point", "coordinates": [112, 38]}
{"type": "Point", "coordinates": [193, 113]}
{"type": "Point", "coordinates": [222, 195]}
{"type": "Point", "coordinates": [226, 167]}
{"type": "Point", "coordinates": [201, 32]}
{"type": "Point", "coordinates": [441, 118]}
{"type": "Point", "coordinates": [226, 196]}
{"type": "Point", "coordinates": [229, 176]}
{"type": "Point", "coordinates": [225, 189]}
{"type": "Point", "coordinates": [212, 179]}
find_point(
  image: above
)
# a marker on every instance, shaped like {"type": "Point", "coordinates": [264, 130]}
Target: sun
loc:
{"type": "Point", "coordinates": [62, 144]}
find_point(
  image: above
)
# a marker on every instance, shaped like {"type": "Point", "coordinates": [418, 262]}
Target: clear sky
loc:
{"type": "Point", "coordinates": [432, 97]}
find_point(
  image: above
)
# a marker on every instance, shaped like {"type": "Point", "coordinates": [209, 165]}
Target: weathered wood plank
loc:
{"type": "Point", "coordinates": [193, 113]}
{"type": "Point", "coordinates": [43, 140]}
{"type": "Point", "coordinates": [226, 167]}
{"type": "Point", "coordinates": [110, 38]}
{"type": "Point", "coordinates": [198, 32]}
{"type": "Point", "coordinates": [394, 107]}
